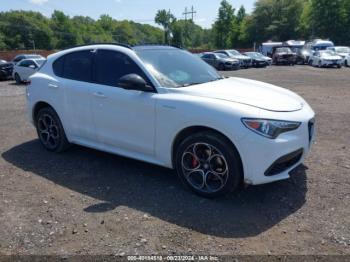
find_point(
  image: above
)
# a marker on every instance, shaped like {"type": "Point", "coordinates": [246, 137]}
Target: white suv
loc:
{"type": "Point", "coordinates": [165, 106]}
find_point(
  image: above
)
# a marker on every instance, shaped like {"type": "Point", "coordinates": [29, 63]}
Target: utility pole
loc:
{"type": "Point", "coordinates": [33, 42]}
{"type": "Point", "coordinates": [192, 12]}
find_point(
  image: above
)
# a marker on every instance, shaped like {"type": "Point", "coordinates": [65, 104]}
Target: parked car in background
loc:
{"type": "Point", "coordinates": [283, 56]}
{"type": "Point", "coordinates": [347, 61]}
{"type": "Point", "coordinates": [3, 61]}
{"type": "Point", "coordinates": [245, 61]}
{"type": "Point", "coordinates": [311, 47]}
{"type": "Point", "coordinates": [220, 61]}
{"type": "Point", "coordinates": [25, 68]}
{"type": "Point", "coordinates": [258, 59]}
{"type": "Point", "coordinates": [19, 58]}
{"type": "Point", "coordinates": [326, 58]}
{"type": "Point", "coordinates": [266, 48]}
{"type": "Point", "coordinates": [163, 105]}
{"type": "Point", "coordinates": [6, 70]}
{"type": "Point", "coordinates": [343, 51]}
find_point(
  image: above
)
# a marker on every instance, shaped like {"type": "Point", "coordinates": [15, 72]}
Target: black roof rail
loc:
{"type": "Point", "coordinates": [157, 44]}
{"type": "Point", "coordinates": [98, 43]}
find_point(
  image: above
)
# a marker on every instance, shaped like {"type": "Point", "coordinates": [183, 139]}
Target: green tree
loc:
{"type": "Point", "coordinates": [329, 19]}
{"type": "Point", "coordinates": [223, 25]}
{"type": "Point", "coordinates": [65, 34]}
{"type": "Point", "coordinates": [165, 19]}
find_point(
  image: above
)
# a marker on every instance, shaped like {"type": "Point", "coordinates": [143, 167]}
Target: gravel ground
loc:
{"type": "Point", "coordinates": [89, 202]}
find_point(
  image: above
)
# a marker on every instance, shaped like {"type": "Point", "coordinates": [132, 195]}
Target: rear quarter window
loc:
{"type": "Point", "coordinates": [57, 66]}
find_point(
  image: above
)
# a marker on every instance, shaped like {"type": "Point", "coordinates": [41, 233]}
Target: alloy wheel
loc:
{"type": "Point", "coordinates": [48, 131]}
{"type": "Point", "coordinates": [205, 167]}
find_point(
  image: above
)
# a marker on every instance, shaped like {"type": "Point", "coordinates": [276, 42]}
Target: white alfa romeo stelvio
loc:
{"type": "Point", "coordinates": [165, 106]}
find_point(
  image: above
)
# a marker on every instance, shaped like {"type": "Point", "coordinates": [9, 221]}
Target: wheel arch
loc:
{"type": "Point", "coordinates": [197, 129]}
{"type": "Point", "coordinates": [38, 106]}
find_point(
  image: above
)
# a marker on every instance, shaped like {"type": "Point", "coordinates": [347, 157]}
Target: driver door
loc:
{"type": "Point", "coordinates": [123, 119]}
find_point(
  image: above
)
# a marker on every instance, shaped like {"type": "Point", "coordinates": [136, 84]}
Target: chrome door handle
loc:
{"type": "Point", "coordinates": [99, 95]}
{"type": "Point", "coordinates": [53, 86]}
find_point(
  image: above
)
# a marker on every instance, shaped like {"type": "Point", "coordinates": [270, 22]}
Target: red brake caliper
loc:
{"type": "Point", "coordinates": [194, 162]}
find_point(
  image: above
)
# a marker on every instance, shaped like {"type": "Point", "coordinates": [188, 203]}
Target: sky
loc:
{"type": "Point", "coordinates": [142, 11]}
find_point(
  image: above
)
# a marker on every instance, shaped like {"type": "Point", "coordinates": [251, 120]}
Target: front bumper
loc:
{"type": "Point", "coordinates": [232, 66]}
{"type": "Point", "coordinates": [331, 63]}
{"type": "Point", "coordinates": [268, 160]}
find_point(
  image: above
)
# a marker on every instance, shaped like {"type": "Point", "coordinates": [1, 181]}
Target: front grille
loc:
{"type": "Point", "coordinates": [284, 163]}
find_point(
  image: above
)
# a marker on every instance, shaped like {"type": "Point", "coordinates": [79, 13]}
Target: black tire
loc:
{"type": "Point", "coordinates": [346, 63]}
{"type": "Point", "coordinates": [223, 154]}
{"type": "Point", "coordinates": [221, 67]}
{"type": "Point", "coordinates": [18, 79]}
{"type": "Point", "coordinates": [50, 131]}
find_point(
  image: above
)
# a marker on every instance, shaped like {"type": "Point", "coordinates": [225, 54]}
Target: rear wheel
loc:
{"type": "Point", "coordinates": [18, 79]}
{"type": "Point", "coordinates": [50, 130]}
{"type": "Point", "coordinates": [208, 164]}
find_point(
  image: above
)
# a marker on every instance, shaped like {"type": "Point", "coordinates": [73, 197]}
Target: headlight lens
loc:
{"type": "Point", "coordinates": [270, 128]}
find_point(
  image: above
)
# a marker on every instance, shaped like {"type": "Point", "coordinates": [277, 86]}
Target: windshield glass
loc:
{"type": "Point", "coordinates": [284, 50]}
{"type": "Point", "coordinates": [40, 61]}
{"type": "Point", "coordinates": [327, 53]}
{"type": "Point", "coordinates": [343, 50]}
{"type": "Point", "coordinates": [233, 52]}
{"type": "Point", "coordinates": [254, 55]}
{"type": "Point", "coordinates": [177, 68]}
{"type": "Point", "coordinates": [221, 55]}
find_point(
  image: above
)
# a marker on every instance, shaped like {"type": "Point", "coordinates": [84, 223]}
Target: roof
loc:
{"type": "Point", "coordinates": [153, 47]}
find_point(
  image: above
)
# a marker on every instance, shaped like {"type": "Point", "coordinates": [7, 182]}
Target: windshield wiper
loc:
{"type": "Point", "coordinates": [191, 84]}
{"type": "Point", "coordinates": [198, 83]}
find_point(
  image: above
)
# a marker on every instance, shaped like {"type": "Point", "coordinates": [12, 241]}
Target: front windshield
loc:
{"type": "Point", "coordinates": [221, 55]}
{"type": "Point", "coordinates": [233, 52]}
{"type": "Point", "coordinates": [328, 53]}
{"type": "Point", "coordinates": [284, 50]}
{"type": "Point", "coordinates": [343, 50]}
{"type": "Point", "coordinates": [40, 61]}
{"type": "Point", "coordinates": [254, 55]}
{"type": "Point", "coordinates": [177, 68]}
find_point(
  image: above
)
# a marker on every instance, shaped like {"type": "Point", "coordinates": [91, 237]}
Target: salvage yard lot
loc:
{"type": "Point", "coordinates": [88, 202]}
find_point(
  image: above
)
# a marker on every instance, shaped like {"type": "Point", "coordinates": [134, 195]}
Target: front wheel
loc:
{"type": "Point", "coordinates": [18, 79]}
{"type": "Point", "coordinates": [221, 67]}
{"type": "Point", "coordinates": [50, 131]}
{"type": "Point", "coordinates": [208, 164]}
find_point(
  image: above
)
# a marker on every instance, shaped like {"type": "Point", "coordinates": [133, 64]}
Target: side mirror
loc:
{"type": "Point", "coordinates": [134, 82]}
{"type": "Point", "coordinates": [32, 66]}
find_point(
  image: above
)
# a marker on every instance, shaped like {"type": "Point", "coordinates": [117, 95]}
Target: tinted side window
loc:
{"type": "Point", "coordinates": [24, 63]}
{"type": "Point", "coordinates": [57, 66]}
{"type": "Point", "coordinates": [78, 66]}
{"type": "Point", "coordinates": [17, 59]}
{"type": "Point", "coordinates": [112, 65]}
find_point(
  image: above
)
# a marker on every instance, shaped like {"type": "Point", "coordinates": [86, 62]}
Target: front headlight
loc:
{"type": "Point", "coordinates": [270, 128]}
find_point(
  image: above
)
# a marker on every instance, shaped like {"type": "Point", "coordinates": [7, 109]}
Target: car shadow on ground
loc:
{"type": "Point", "coordinates": [157, 191]}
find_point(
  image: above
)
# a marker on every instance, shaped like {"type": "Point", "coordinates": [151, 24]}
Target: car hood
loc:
{"type": "Point", "coordinates": [6, 65]}
{"type": "Point", "coordinates": [344, 54]}
{"type": "Point", "coordinates": [285, 53]}
{"type": "Point", "coordinates": [240, 57]}
{"type": "Point", "coordinates": [331, 57]}
{"type": "Point", "coordinates": [229, 60]}
{"type": "Point", "coordinates": [248, 92]}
